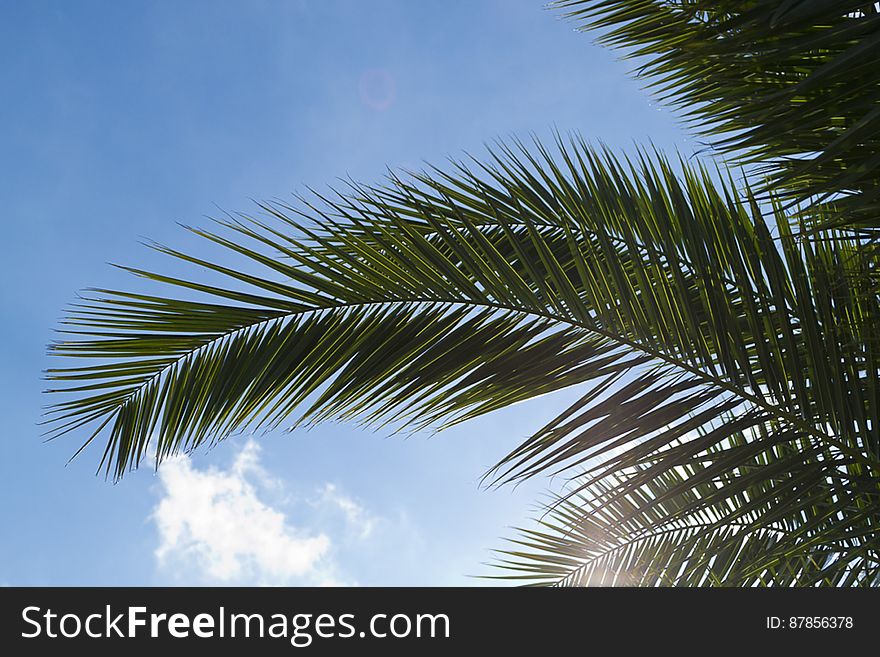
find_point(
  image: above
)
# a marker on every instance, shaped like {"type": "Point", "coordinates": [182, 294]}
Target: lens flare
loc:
{"type": "Point", "coordinates": [377, 89]}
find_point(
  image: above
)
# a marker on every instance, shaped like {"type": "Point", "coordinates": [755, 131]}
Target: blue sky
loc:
{"type": "Point", "coordinates": [121, 119]}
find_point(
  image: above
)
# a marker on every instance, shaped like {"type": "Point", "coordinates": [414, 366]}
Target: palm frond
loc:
{"type": "Point", "coordinates": [751, 508]}
{"type": "Point", "coordinates": [792, 84]}
{"type": "Point", "coordinates": [661, 290]}
{"type": "Point", "coordinates": [703, 342]}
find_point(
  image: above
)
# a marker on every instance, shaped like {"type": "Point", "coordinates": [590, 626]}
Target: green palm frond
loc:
{"type": "Point", "coordinates": [750, 508]}
{"type": "Point", "coordinates": [789, 83]}
{"type": "Point", "coordinates": [661, 290]}
{"type": "Point", "coordinates": [624, 263]}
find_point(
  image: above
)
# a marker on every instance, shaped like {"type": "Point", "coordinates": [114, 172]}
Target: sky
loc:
{"type": "Point", "coordinates": [121, 120]}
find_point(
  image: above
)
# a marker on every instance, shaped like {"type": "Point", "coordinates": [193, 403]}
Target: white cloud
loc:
{"type": "Point", "coordinates": [355, 514]}
{"type": "Point", "coordinates": [214, 526]}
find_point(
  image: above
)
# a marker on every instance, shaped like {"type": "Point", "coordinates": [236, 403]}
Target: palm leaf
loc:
{"type": "Point", "coordinates": [661, 290]}
{"type": "Point", "coordinates": [791, 84]}
{"type": "Point", "coordinates": [752, 508]}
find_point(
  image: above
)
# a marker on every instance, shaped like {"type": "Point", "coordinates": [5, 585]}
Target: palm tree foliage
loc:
{"type": "Point", "coordinates": [730, 372]}
{"type": "Point", "coordinates": [751, 510]}
{"type": "Point", "coordinates": [789, 83]}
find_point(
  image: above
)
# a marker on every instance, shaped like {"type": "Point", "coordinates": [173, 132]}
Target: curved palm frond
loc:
{"type": "Point", "coordinates": [792, 83]}
{"type": "Point", "coordinates": [746, 509]}
{"type": "Point", "coordinates": [435, 299]}
{"type": "Point", "coordinates": [599, 266]}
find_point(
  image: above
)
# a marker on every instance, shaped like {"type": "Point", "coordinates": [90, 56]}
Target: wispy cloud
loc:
{"type": "Point", "coordinates": [215, 525]}
{"type": "Point", "coordinates": [357, 517]}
